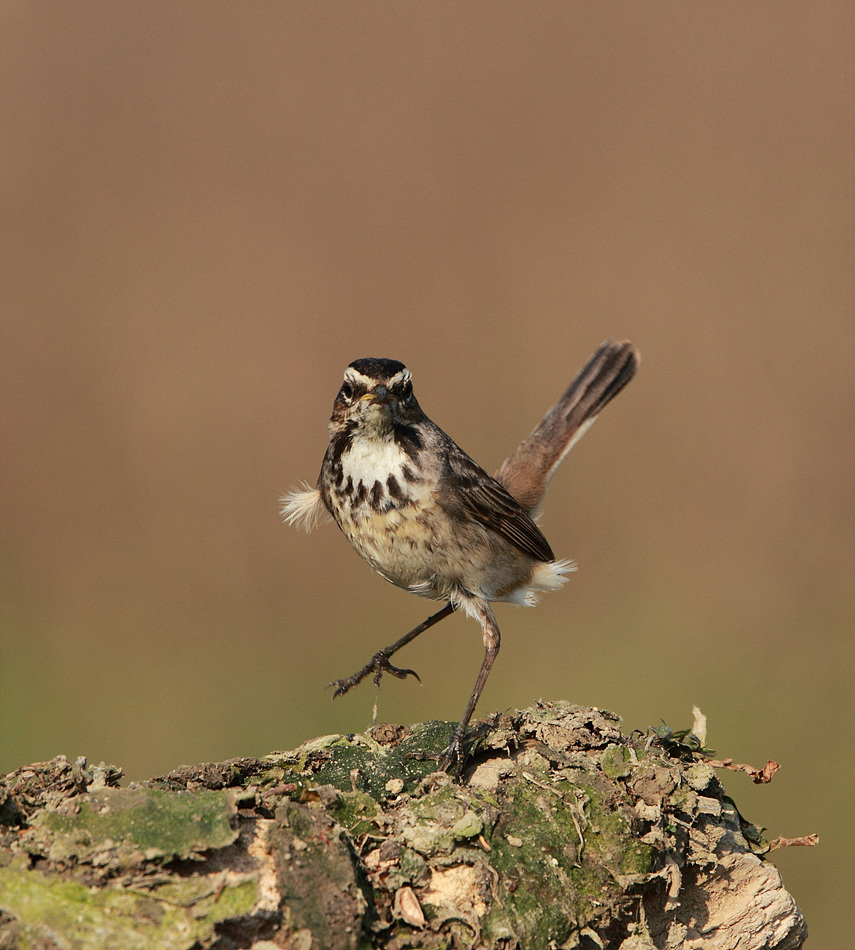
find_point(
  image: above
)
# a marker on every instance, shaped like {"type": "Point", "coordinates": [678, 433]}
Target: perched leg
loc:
{"type": "Point", "coordinates": [453, 756]}
{"type": "Point", "coordinates": [379, 663]}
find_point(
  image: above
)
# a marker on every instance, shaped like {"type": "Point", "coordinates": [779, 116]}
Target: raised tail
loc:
{"type": "Point", "coordinates": [526, 472]}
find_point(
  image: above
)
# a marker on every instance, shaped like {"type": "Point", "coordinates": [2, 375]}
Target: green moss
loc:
{"type": "Point", "coordinates": [171, 824]}
{"type": "Point", "coordinates": [444, 816]}
{"type": "Point", "coordinates": [354, 811]}
{"type": "Point", "coordinates": [531, 853]}
{"type": "Point", "coordinates": [358, 761]}
{"type": "Point", "coordinates": [468, 825]}
{"type": "Point", "coordinates": [616, 762]}
{"type": "Point", "coordinates": [609, 840]}
{"type": "Point", "coordinates": [315, 871]}
{"type": "Point", "coordinates": [553, 880]}
{"type": "Point", "coordinates": [53, 912]}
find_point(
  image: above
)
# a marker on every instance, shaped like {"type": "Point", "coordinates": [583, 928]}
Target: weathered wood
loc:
{"type": "Point", "coordinates": [561, 832]}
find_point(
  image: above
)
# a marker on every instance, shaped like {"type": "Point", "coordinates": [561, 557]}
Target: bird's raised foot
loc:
{"type": "Point", "coordinates": [378, 664]}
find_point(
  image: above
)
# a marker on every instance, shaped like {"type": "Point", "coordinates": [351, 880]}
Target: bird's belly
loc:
{"type": "Point", "coordinates": [401, 544]}
{"type": "Point", "coordinates": [423, 552]}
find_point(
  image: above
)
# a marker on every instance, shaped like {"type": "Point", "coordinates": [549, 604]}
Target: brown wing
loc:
{"type": "Point", "coordinates": [468, 486]}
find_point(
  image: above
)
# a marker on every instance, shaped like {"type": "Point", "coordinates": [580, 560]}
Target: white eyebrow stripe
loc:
{"type": "Point", "coordinates": [354, 376]}
{"type": "Point", "coordinates": [401, 377]}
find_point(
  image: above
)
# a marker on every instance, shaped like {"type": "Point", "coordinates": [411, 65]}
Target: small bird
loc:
{"type": "Point", "coordinates": [430, 520]}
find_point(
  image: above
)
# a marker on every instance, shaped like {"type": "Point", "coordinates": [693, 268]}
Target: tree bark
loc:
{"type": "Point", "coordinates": [560, 832]}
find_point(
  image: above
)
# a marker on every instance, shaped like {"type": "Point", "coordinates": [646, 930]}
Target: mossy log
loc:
{"type": "Point", "coordinates": [560, 832]}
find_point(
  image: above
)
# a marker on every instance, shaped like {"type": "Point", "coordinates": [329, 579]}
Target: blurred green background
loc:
{"type": "Point", "coordinates": [210, 209]}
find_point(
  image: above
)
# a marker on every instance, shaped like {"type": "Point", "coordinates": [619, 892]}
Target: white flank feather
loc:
{"type": "Point", "coordinates": [304, 508]}
{"type": "Point", "coordinates": [548, 575]}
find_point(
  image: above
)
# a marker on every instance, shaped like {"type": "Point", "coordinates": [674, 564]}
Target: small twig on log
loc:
{"type": "Point", "coordinates": [759, 776]}
{"type": "Point", "coordinates": [805, 841]}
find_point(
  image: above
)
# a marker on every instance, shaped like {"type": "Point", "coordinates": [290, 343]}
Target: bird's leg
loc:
{"type": "Point", "coordinates": [379, 663]}
{"type": "Point", "coordinates": [453, 757]}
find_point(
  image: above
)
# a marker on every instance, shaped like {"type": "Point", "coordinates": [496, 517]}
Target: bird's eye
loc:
{"type": "Point", "coordinates": [346, 392]}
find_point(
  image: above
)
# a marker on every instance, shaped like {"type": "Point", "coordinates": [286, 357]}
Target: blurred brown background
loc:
{"type": "Point", "coordinates": [209, 209]}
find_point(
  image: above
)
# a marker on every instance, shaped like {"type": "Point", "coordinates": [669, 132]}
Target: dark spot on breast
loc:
{"type": "Point", "coordinates": [376, 496]}
{"type": "Point", "coordinates": [359, 494]}
{"type": "Point", "coordinates": [394, 489]}
{"type": "Point", "coordinates": [340, 444]}
{"type": "Point", "coordinates": [408, 439]}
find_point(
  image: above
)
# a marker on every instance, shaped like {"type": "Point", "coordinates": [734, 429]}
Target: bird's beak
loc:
{"type": "Point", "coordinates": [380, 394]}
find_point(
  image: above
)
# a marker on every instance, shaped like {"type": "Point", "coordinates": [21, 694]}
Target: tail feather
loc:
{"type": "Point", "coordinates": [526, 472]}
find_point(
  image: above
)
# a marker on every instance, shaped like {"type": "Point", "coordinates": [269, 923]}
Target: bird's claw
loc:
{"type": "Point", "coordinates": [384, 666]}
{"type": "Point", "coordinates": [452, 758]}
{"type": "Point", "coordinates": [378, 664]}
